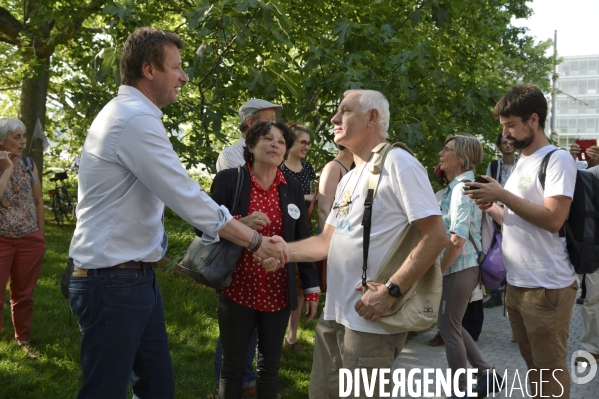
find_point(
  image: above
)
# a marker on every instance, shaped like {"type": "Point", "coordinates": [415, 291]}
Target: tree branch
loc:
{"type": "Point", "coordinates": [72, 28]}
{"type": "Point", "coordinates": [222, 54]}
{"type": "Point", "coordinates": [10, 26]}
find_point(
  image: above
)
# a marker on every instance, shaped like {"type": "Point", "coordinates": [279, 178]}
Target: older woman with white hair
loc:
{"type": "Point", "coordinates": [22, 242]}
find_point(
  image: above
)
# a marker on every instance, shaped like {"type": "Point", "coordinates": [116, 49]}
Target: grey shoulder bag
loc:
{"type": "Point", "coordinates": [213, 264]}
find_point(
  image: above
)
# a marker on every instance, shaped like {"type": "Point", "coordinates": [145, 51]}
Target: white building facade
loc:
{"type": "Point", "coordinates": [577, 101]}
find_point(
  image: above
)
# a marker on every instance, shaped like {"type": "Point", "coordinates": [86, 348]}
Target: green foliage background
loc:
{"type": "Point", "coordinates": [441, 63]}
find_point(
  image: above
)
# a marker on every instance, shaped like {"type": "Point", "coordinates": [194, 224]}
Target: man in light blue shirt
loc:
{"type": "Point", "coordinates": [128, 172]}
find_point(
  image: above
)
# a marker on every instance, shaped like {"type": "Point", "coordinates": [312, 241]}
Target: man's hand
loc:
{"type": "Point", "coordinates": [574, 150]}
{"type": "Point", "coordinates": [273, 253]}
{"type": "Point", "coordinates": [592, 156]}
{"type": "Point", "coordinates": [374, 302]}
{"type": "Point", "coordinates": [484, 194]}
{"type": "Point", "coordinates": [310, 308]}
{"type": "Point", "coordinates": [256, 221]}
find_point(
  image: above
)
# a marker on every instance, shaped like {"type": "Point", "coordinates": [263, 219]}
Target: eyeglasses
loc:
{"type": "Point", "coordinates": [304, 143]}
{"type": "Point", "coordinates": [446, 148]}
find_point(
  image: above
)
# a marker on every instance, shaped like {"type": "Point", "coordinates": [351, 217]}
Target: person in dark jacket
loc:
{"type": "Point", "coordinates": [274, 204]}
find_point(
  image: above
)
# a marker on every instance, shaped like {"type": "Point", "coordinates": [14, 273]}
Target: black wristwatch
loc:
{"type": "Point", "coordinates": [394, 290]}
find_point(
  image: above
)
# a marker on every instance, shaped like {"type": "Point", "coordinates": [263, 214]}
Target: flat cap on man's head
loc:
{"type": "Point", "coordinates": [255, 104]}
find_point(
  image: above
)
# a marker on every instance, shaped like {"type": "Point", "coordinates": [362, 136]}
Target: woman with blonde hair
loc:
{"type": "Point", "coordinates": [461, 273]}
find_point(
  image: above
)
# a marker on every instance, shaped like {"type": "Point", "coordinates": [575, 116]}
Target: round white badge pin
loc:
{"type": "Point", "coordinates": [293, 211]}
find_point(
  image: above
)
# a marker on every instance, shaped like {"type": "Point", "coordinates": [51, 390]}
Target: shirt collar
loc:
{"type": "Point", "coordinates": [279, 179]}
{"type": "Point", "coordinates": [467, 175]}
{"type": "Point", "coordinates": [132, 91]}
{"type": "Point", "coordinates": [513, 162]}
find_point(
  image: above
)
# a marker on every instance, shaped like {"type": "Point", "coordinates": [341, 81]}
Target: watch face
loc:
{"type": "Point", "coordinates": [393, 289]}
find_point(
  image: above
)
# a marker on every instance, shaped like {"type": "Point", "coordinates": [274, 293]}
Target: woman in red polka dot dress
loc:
{"type": "Point", "coordinates": [273, 204]}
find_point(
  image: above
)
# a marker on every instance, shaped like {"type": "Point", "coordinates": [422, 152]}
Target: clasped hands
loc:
{"type": "Point", "coordinates": [273, 252]}
{"type": "Point", "coordinates": [272, 262]}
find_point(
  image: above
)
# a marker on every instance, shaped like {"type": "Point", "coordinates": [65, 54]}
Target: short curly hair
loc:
{"type": "Point", "coordinates": [262, 129]}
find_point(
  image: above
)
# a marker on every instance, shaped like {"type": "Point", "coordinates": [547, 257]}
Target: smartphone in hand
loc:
{"type": "Point", "coordinates": [479, 179]}
{"type": "Point", "coordinates": [584, 145]}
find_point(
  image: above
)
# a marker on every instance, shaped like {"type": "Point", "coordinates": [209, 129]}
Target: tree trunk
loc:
{"type": "Point", "coordinates": [33, 107]}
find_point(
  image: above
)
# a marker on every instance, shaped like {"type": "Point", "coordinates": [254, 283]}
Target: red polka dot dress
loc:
{"type": "Point", "coordinates": [252, 286]}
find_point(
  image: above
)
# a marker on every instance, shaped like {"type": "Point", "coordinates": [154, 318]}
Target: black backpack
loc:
{"type": "Point", "coordinates": [581, 228]}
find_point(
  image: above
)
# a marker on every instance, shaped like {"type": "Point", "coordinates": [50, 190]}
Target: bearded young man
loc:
{"type": "Point", "coordinates": [541, 281]}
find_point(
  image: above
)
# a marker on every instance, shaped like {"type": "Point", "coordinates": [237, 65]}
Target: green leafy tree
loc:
{"type": "Point", "coordinates": [441, 63]}
{"type": "Point", "coordinates": [34, 30]}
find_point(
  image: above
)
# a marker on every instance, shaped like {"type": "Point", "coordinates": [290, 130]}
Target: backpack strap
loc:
{"type": "Point", "coordinates": [238, 188]}
{"type": "Point", "coordinates": [542, 176]}
{"type": "Point", "coordinates": [494, 169]}
{"type": "Point", "coordinates": [543, 168]}
{"type": "Point", "coordinates": [469, 232]}
{"type": "Point", "coordinates": [375, 168]}
{"type": "Point", "coordinates": [29, 168]}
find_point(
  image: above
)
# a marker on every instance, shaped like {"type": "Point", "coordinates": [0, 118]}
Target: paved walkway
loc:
{"type": "Point", "coordinates": [495, 343]}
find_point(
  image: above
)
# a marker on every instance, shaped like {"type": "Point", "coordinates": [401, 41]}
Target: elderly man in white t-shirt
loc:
{"type": "Point", "coordinates": [347, 334]}
{"type": "Point", "coordinates": [541, 281]}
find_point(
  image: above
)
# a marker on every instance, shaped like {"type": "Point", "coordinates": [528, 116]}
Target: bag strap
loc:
{"type": "Point", "coordinates": [29, 167]}
{"type": "Point", "coordinates": [542, 176]}
{"type": "Point", "coordinates": [543, 168]}
{"type": "Point", "coordinates": [374, 167]}
{"type": "Point", "coordinates": [469, 232]}
{"type": "Point", "coordinates": [343, 166]}
{"type": "Point", "coordinates": [238, 187]}
{"type": "Point", "coordinates": [312, 203]}
{"type": "Point", "coordinates": [494, 169]}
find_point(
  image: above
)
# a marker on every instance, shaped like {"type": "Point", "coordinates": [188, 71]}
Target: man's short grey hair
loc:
{"type": "Point", "coordinates": [371, 99]}
{"type": "Point", "coordinates": [243, 126]}
{"type": "Point", "coordinates": [8, 126]}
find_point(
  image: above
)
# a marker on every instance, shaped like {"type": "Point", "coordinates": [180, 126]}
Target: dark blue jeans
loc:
{"type": "Point", "coordinates": [124, 336]}
{"type": "Point", "coordinates": [497, 292]}
{"type": "Point", "coordinates": [249, 376]}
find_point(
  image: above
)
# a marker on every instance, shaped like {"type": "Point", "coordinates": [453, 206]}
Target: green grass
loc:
{"type": "Point", "coordinates": [190, 312]}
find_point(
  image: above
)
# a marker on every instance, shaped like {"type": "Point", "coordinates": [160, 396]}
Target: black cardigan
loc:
{"type": "Point", "coordinates": [222, 192]}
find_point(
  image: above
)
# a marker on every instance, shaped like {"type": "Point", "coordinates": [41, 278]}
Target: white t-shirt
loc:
{"type": "Point", "coordinates": [533, 256]}
{"type": "Point", "coordinates": [404, 194]}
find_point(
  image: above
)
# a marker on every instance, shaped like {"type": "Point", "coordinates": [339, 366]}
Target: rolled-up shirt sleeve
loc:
{"type": "Point", "coordinates": [461, 211]}
{"type": "Point", "coordinates": [145, 150]}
